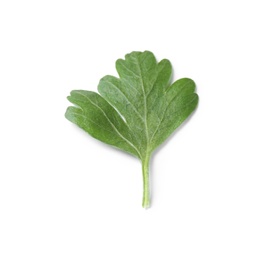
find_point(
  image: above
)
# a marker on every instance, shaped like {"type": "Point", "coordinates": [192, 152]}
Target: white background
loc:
{"type": "Point", "coordinates": [64, 195]}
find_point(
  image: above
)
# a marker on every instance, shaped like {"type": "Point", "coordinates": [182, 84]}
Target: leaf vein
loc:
{"type": "Point", "coordinates": [144, 99]}
{"type": "Point", "coordinates": [108, 119]}
{"type": "Point", "coordinates": [129, 70]}
{"type": "Point", "coordinates": [133, 106]}
{"type": "Point", "coordinates": [164, 114]}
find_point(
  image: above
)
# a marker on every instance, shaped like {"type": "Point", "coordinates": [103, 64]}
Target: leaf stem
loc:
{"type": "Point", "coordinates": [146, 182]}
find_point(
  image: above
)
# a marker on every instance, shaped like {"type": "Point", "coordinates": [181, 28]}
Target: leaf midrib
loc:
{"type": "Point", "coordinates": [145, 103]}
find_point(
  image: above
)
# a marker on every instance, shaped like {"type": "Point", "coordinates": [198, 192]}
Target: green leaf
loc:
{"type": "Point", "coordinates": [137, 111]}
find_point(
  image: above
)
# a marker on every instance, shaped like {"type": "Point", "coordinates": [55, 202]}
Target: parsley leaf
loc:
{"type": "Point", "coordinates": [137, 111]}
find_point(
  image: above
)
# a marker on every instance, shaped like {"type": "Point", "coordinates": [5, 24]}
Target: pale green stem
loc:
{"type": "Point", "coordinates": [146, 183]}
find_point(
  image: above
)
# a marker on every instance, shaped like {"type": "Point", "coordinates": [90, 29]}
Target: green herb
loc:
{"type": "Point", "coordinates": [137, 111]}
